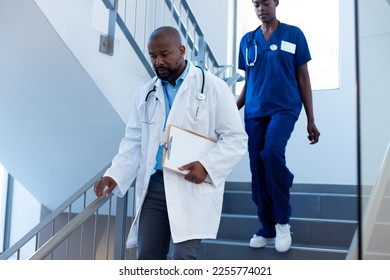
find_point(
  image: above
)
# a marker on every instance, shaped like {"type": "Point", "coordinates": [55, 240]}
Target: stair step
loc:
{"type": "Point", "coordinates": [311, 188]}
{"type": "Point", "coordinates": [304, 204]}
{"type": "Point", "coordinates": [235, 250]}
{"type": "Point", "coordinates": [323, 223]}
{"type": "Point", "coordinates": [319, 232]}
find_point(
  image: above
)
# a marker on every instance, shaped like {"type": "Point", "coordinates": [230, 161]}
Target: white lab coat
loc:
{"type": "Point", "coordinates": [194, 210]}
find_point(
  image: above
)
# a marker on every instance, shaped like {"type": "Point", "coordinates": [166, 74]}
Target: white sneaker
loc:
{"type": "Point", "coordinates": [259, 241]}
{"type": "Point", "coordinates": [283, 237]}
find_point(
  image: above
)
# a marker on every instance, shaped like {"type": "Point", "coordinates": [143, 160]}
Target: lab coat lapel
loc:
{"type": "Point", "coordinates": [176, 116]}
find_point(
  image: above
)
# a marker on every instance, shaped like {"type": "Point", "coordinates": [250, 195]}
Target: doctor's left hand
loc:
{"type": "Point", "coordinates": [197, 173]}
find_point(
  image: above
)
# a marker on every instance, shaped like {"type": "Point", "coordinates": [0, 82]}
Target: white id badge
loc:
{"type": "Point", "coordinates": [288, 47]}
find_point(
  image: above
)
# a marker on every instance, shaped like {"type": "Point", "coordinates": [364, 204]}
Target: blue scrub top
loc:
{"type": "Point", "coordinates": [271, 85]}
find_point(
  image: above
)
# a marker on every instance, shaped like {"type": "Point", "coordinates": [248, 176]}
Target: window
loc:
{"type": "Point", "coordinates": [319, 22]}
{"type": "Point", "coordinates": [24, 215]}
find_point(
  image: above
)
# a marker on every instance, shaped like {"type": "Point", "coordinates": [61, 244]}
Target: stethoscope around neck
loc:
{"type": "Point", "coordinates": [151, 93]}
{"type": "Point", "coordinates": [252, 42]}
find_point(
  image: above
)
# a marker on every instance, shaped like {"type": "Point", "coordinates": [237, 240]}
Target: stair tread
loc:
{"type": "Point", "coordinates": [300, 188]}
{"type": "Point", "coordinates": [323, 220]}
{"type": "Point", "coordinates": [300, 246]}
{"type": "Point", "coordinates": [295, 193]}
{"type": "Point", "coordinates": [233, 250]}
{"type": "Point", "coordinates": [249, 216]}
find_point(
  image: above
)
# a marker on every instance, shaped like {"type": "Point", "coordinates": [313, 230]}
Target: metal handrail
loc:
{"type": "Point", "coordinates": [64, 233]}
{"type": "Point", "coordinates": [184, 29]}
{"type": "Point", "coordinates": [182, 17]}
{"type": "Point", "coordinates": [34, 233]}
{"type": "Point", "coordinates": [135, 46]}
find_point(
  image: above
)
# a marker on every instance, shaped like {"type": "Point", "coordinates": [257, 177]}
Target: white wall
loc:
{"type": "Point", "coordinates": [80, 24]}
{"type": "Point", "coordinates": [56, 127]}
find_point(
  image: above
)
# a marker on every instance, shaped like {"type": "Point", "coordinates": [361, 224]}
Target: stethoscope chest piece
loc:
{"type": "Point", "coordinates": [201, 96]}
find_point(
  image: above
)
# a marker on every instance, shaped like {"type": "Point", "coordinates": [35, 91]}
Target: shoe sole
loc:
{"type": "Point", "coordinates": [283, 250]}
{"type": "Point", "coordinates": [270, 241]}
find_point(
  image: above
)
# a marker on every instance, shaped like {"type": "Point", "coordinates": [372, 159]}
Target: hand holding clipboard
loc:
{"type": "Point", "coordinates": [183, 147]}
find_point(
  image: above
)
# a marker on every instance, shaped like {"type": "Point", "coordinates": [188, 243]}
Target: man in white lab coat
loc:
{"type": "Point", "coordinates": [174, 212]}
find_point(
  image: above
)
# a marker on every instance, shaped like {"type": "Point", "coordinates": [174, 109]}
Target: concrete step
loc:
{"type": "Point", "coordinates": [233, 250]}
{"type": "Point", "coordinates": [316, 232]}
{"type": "Point", "coordinates": [323, 222]}
{"type": "Point", "coordinates": [304, 204]}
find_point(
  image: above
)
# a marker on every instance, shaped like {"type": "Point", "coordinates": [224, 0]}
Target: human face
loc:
{"type": "Point", "coordinates": [265, 9]}
{"type": "Point", "coordinates": [167, 57]}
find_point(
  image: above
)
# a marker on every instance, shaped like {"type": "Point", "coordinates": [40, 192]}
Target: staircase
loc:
{"type": "Point", "coordinates": [323, 222]}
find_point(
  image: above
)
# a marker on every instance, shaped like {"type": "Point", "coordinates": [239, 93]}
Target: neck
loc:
{"type": "Point", "coordinates": [179, 72]}
{"type": "Point", "coordinates": [269, 27]}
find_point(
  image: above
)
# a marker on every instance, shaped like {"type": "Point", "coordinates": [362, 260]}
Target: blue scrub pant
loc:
{"type": "Point", "coordinates": [154, 234]}
{"type": "Point", "coordinates": [271, 179]}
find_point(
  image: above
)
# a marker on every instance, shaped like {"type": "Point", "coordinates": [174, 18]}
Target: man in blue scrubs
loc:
{"type": "Point", "coordinates": [277, 83]}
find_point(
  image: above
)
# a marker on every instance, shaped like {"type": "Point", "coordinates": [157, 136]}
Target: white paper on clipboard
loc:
{"type": "Point", "coordinates": [184, 147]}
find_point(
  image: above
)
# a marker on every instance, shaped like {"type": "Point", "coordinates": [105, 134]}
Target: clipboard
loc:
{"type": "Point", "coordinates": [184, 146]}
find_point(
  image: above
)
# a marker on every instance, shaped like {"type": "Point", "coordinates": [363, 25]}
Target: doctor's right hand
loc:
{"type": "Point", "coordinates": [197, 173]}
{"type": "Point", "coordinates": [104, 186]}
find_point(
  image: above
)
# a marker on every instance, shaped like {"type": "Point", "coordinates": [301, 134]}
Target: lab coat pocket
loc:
{"type": "Point", "coordinates": [198, 119]}
{"type": "Point", "coordinates": [205, 187]}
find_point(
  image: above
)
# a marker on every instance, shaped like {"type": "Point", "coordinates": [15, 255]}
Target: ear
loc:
{"type": "Point", "coordinates": [182, 50]}
{"type": "Point", "coordinates": [276, 3]}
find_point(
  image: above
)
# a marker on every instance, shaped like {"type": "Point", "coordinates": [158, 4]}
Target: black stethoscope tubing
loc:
{"type": "Point", "coordinates": [150, 91]}
{"type": "Point", "coordinates": [154, 86]}
{"type": "Point", "coordinates": [201, 96]}
{"type": "Point", "coordinates": [202, 79]}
